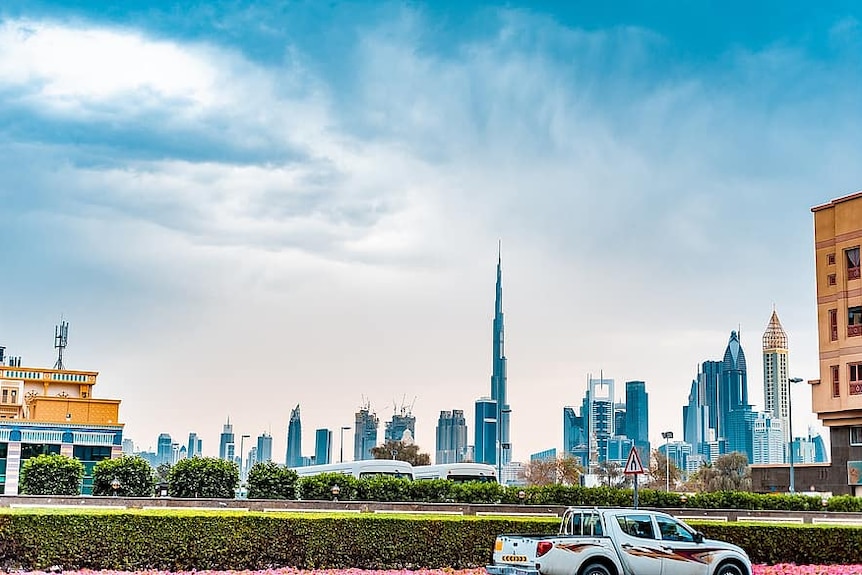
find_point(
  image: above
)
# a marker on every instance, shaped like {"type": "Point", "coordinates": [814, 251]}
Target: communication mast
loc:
{"type": "Point", "coordinates": [61, 339]}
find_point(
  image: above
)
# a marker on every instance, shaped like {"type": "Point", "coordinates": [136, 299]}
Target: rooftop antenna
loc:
{"type": "Point", "coordinates": [61, 339]}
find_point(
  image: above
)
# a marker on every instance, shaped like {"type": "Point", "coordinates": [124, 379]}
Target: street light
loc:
{"type": "Point", "coordinates": [341, 447]}
{"type": "Point", "coordinates": [335, 491]}
{"type": "Point", "coordinates": [667, 436]}
{"type": "Point", "coordinates": [115, 485]}
{"type": "Point", "coordinates": [790, 425]}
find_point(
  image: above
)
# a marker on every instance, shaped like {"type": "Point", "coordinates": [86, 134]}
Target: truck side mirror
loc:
{"type": "Point", "coordinates": [698, 537]}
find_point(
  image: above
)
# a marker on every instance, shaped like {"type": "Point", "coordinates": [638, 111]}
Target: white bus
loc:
{"type": "Point", "coordinates": [360, 469]}
{"type": "Point", "coordinates": [458, 472]}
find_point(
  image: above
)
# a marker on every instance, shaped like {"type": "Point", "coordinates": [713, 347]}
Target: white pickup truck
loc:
{"type": "Point", "coordinates": [617, 542]}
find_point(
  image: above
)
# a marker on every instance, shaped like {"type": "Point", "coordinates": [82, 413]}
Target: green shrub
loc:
{"type": "Point", "coordinates": [203, 477]}
{"type": "Point", "coordinates": [134, 475]}
{"type": "Point", "coordinates": [51, 474]}
{"type": "Point", "coordinates": [319, 487]}
{"type": "Point", "coordinates": [268, 480]}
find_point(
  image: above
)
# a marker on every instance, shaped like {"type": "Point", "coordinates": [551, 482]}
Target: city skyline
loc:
{"type": "Point", "coordinates": [237, 218]}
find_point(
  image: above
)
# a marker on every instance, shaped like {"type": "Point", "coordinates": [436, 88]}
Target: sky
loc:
{"type": "Point", "coordinates": [244, 206]}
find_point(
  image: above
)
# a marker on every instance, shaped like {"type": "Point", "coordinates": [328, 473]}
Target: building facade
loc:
{"type": "Point", "coordinates": [451, 444]}
{"type": "Point", "coordinates": [54, 411]}
{"type": "Point", "coordinates": [485, 430]}
{"type": "Point", "coordinates": [403, 421]}
{"type": "Point", "coordinates": [637, 417]}
{"type": "Point", "coordinates": [503, 448]}
{"type": "Point", "coordinates": [226, 442]}
{"type": "Point", "coordinates": [768, 439]}
{"type": "Point", "coordinates": [263, 451]}
{"type": "Point", "coordinates": [195, 447]}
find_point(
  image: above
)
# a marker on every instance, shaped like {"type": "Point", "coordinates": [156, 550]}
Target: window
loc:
{"type": "Point", "coordinates": [830, 259]}
{"type": "Point", "coordinates": [641, 525]}
{"type": "Point", "coordinates": [5, 396]}
{"type": "Point", "coordinates": [14, 395]}
{"type": "Point", "coordinates": [855, 378]}
{"type": "Point", "coordinates": [854, 321]}
{"type": "Point", "coordinates": [830, 279]}
{"type": "Point", "coordinates": [833, 325]}
{"type": "Point", "coordinates": [673, 530]}
{"type": "Point", "coordinates": [852, 257]}
{"type": "Point", "coordinates": [856, 436]}
{"type": "Point", "coordinates": [836, 382]}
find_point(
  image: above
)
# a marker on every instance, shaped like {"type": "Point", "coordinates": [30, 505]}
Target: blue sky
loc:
{"type": "Point", "coordinates": [244, 206]}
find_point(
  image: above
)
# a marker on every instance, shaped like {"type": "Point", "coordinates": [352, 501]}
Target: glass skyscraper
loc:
{"type": "Point", "coordinates": [225, 444]}
{"type": "Point", "coordinates": [400, 422]}
{"type": "Point", "coordinates": [364, 433]}
{"type": "Point", "coordinates": [637, 417]}
{"type": "Point", "coordinates": [322, 446]}
{"type": "Point", "coordinates": [293, 457]}
{"type": "Point", "coordinates": [264, 447]}
{"type": "Point", "coordinates": [485, 445]}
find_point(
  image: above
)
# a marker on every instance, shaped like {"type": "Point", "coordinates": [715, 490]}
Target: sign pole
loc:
{"type": "Point", "coordinates": [636, 489]}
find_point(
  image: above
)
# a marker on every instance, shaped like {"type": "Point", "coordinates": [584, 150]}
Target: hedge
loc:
{"type": "Point", "coordinates": [230, 541]}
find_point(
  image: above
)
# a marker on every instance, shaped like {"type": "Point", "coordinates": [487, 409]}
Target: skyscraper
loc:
{"type": "Point", "coordinates": [768, 439]}
{"type": "Point", "coordinates": [264, 447]}
{"type": "Point", "coordinates": [322, 446]}
{"type": "Point", "coordinates": [498, 373]}
{"type": "Point", "coordinates": [485, 432]}
{"type": "Point", "coordinates": [400, 422]}
{"type": "Point", "coordinates": [733, 382]}
{"type": "Point", "coordinates": [600, 417]}
{"type": "Point", "coordinates": [695, 418]}
{"type": "Point", "coordinates": [293, 457]}
{"type": "Point", "coordinates": [776, 389]}
{"type": "Point", "coordinates": [164, 454]}
{"type": "Point", "coordinates": [366, 423]}
{"type": "Point", "coordinates": [637, 417]}
{"type": "Point", "coordinates": [226, 445]}
{"type": "Point", "coordinates": [451, 444]}
{"type": "Point", "coordinates": [575, 441]}
{"type": "Point", "coordinates": [195, 447]}
{"type": "Point", "coordinates": [708, 377]}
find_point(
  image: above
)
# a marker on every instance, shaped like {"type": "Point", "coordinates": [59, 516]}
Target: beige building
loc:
{"type": "Point", "coordinates": [836, 397]}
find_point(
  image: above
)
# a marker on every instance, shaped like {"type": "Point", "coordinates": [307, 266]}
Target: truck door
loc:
{"type": "Point", "coordinates": [682, 556]}
{"type": "Point", "coordinates": [639, 547]}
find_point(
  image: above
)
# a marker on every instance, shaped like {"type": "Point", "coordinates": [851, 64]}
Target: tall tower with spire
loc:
{"type": "Point", "coordinates": [498, 372]}
{"type": "Point", "coordinates": [776, 388]}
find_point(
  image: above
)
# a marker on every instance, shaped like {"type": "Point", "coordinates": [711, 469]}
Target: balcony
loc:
{"type": "Point", "coordinates": [854, 330]}
{"type": "Point", "coordinates": [853, 273]}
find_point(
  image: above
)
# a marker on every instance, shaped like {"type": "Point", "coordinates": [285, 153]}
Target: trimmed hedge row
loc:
{"type": "Point", "coordinates": [176, 542]}
{"type": "Point", "coordinates": [381, 488]}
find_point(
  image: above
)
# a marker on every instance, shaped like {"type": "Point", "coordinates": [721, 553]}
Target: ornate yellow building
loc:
{"type": "Point", "coordinates": [54, 411]}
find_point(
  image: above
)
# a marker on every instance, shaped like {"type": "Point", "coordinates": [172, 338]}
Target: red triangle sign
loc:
{"type": "Point", "coordinates": [633, 463]}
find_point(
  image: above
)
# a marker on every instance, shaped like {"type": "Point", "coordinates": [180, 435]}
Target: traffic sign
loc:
{"type": "Point", "coordinates": [633, 464]}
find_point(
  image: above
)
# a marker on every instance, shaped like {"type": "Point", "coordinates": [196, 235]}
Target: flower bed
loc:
{"type": "Point", "coordinates": [781, 569]}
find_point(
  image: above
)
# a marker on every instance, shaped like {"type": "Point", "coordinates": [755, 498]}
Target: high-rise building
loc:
{"type": "Point", "coordinates": [498, 375]}
{"type": "Point", "coordinates": [225, 444]}
{"type": "Point", "coordinates": [322, 447]}
{"type": "Point", "coordinates": [164, 455]}
{"type": "Point", "coordinates": [637, 417]}
{"type": "Point", "coordinates": [575, 440]}
{"type": "Point", "coordinates": [708, 377]}
{"type": "Point", "coordinates": [128, 446]}
{"type": "Point", "coordinates": [251, 460]}
{"type": "Point", "coordinates": [695, 418]}
{"type": "Point", "coordinates": [600, 417]}
{"type": "Point", "coordinates": [451, 437]}
{"type": "Point", "coordinates": [195, 446]}
{"type": "Point", "coordinates": [264, 448]}
{"type": "Point", "coordinates": [293, 457]}
{"type": "Point", "coordinates": [768, 439]}
{"type": "Point", "coordinates": [485, 447]}
{"type": "Point", "coordinates": [366, 423]}
{"type": "Point", "coordinates": [400, 422]}
{"type": "Point", "coordinates": [740, 431]}
{"type": "Point", "coordinates": [733, 390]}
{"type": "Point", "coordinates": [776, 399]}
{"type": "Point", "coordinates": [620, 418]}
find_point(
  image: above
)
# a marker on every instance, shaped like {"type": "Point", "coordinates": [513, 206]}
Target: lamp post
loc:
{"type": "Point", "coordinates": [790, 425]}
{"type": "Point", "coordinates": [241, 462]}
{"type": "Point", "coordinates": [115, 485]}
{"type": "Point", "coordinates": [341, 444]}
{"type": "Point", "coordinates": [667, 436]}
{"type": "Point", "coordinates": [335, 490]}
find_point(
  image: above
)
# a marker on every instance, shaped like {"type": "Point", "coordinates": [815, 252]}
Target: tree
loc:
{"type": "Point", "coordinates": [134, 475]}
{"type": "Point", "coordinates": [203, 477]}
{"type": "Point", "coordinates": [729, 472]}
{"type": "Point", "coordinates": [610, 473]}
{"type": "Point", "coordinates": [269, 480]}
{"type": "Point", "coordinates": [401, 451]}
{"type": "Point", "coordinates": [162, 472]}
{"type": "Point", "coordinates": [658, 471]}
{"type": "Point", "coordinates": [565, 470]}
{"type": "Point", "coordinates": [52, 474]}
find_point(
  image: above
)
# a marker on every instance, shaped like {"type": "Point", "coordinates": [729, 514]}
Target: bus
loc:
{"type": "Point", "coordinates": [360, 469]}
{"type": "Point", "coordinates": [458, 472]}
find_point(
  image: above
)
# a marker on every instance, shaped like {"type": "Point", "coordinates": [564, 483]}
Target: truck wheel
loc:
{"type": "Point", "coordinates": [730, 569]}
{"type": "Point", "coordinates": [599, 569]}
